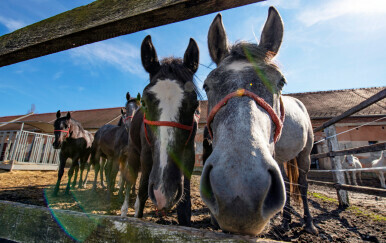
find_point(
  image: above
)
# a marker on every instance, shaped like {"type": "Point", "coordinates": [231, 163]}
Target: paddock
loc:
{"type": "Point", "coordinates": [364, 220]}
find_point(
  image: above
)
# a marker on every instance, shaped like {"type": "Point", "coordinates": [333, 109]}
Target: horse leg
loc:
{"type": "Point", "coordinates": [82, 165]}
{"type": "Point", "coordinates": [76, 173]}
{"type": "Point", "coordinates": [86, 176]}
{"type": "Point", "coordinates": [97, 167]}
{"type": "Point", "coordinates": [184, 208]}
{"type": "Point", "coordinates": [304, 163]}
{"type": "Point", "coordinates": [348, 177]}
{"type": "Point", "coordinates": [360, 177]}
{"type": "Point", "coordinates": [129, 174]}
{"type": "Point", "coordinates": [70, 173]}
{"type": "Point", "coordinates": [287, 207]}
{"type": "Point", "coordinates": [62, 164]}
{"type": "Point", "coordinates": [382, 179]}
{"type": "Point", "coordinates": [113, 176]}
{"type": "Point", "coordinates": [102, 167]}
{"type": "Point", "coordinates": [146, 164]}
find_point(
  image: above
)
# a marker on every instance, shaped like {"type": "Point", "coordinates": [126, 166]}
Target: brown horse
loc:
{"type": "Point", "coordinates": [75, 143]}
{"type": "Point", "coordinates": [111, 143]}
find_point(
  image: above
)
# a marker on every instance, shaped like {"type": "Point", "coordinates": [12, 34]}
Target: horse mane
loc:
{"type": "Point", "coordinates": [77, 124]}
{"type": "Point", "coordinates": [176, 66]}
{"type": "Point", "coordinates": [120, 123]}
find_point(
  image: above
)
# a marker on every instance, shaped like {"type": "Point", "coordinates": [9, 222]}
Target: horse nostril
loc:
{"type": "Point", "coordinates": [205, 185]}
{"type": "Point", "coordinates": [275, 198]}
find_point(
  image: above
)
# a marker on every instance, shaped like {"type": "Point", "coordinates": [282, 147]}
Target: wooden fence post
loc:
{"type": "Point", "coordinates": [333, 145]}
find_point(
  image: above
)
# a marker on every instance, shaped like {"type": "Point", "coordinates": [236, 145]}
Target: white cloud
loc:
{"type": "Point", "coordinates": [11, 24]}
{"type": "Point", "coordinates": [119, 54]}
{"type": "Point", "coordinates": [333, 9]}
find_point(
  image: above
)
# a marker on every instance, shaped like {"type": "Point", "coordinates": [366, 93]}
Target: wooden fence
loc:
{"type": "Point", "coordinates": [332, 142]}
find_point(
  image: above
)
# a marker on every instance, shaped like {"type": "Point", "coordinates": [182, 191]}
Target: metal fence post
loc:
{"type": "Point", "coordinates": [333, 145]}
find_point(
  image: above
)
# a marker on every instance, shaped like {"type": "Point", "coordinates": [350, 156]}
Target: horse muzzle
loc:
{"type": "Point", "coordinates": [243, 195]}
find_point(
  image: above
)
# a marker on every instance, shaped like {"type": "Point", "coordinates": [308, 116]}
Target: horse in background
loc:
{"type": "Point", "coordinates": [241, 182]}
{"type": "Point", "coordinates": [352, 162]}
{"type": "Point", "coordinates": [162, 133]}
{"type": "Point", "coordinates": [74, 142]}
{"type": "Point", "coordinates": [111, 143]}
{"type": "Point", "coordinates": [381, 162]}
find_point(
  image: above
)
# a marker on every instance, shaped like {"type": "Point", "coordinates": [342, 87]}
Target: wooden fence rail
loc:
{"type": "Point", "coordinates": [101, 20]}
{"type": "Point", "coordinates": [28, 223]}
{"type": "Point", "coordinates": [361, 189]}
{"type": "Point", "coordinates": [358, 150]}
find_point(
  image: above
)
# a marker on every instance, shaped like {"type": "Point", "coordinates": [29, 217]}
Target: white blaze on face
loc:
{"type": "Point", "coordinates": [170, 95]}
{"type": "Point", "coordinates": [238, 66]}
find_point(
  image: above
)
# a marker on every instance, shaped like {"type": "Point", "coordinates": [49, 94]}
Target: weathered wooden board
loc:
{"type": "Point", "coordinates": [27, 223]}
{"type": "Point", "coordinates": [358, 150]}
{"type": "Point", "coordinates": [100, 20]}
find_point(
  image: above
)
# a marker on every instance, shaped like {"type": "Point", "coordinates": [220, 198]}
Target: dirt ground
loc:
{"type": "Point", "coordinates": [364, 220]}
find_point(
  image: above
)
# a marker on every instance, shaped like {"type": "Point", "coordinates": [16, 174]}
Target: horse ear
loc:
{"type": "Point", "coordinates": [217, 40]}
{"type": "Point", "coordinates": [149, 56]}
{"type": "Point", "coordinates": [272, 34]}
{"type": "Point", "coordinates": [58, 114]}
{"type": "Point", "coordinates": [138, 99]}
{"type": "Point", "coordinates": [122, 113]}
{"type": "Point", "coordinates": [128, 96]}
{"type": "Point", "coordinates": [192, 56]}
{"type": "Point", "coordinates": [68, 115]}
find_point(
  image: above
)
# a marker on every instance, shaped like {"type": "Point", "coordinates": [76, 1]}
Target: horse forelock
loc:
{"type": "Point", "coordinates": [171, 66]}
{"type": "Point", "coordinates": [246, 50]}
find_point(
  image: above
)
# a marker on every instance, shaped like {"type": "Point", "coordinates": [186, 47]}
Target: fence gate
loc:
{"type": "Point", "coordinates": [24, 150]}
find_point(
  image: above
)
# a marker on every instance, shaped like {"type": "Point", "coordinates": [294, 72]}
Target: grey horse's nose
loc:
{"type": "Point", "coordinates": [242, 198]}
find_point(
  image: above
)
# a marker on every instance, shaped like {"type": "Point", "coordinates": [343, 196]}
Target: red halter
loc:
{"type": "Point", "coordinates": [66, 131]}
{"type": "Point", "coordinates": [167, 124]}
{"type": "Point", "coordinates": [127, 118]}
{"type": "Point", "coordinates": [242, 92]}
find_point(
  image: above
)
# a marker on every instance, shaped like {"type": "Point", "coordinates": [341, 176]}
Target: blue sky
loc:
{"type": "Point", "coordinates": [328, 45]}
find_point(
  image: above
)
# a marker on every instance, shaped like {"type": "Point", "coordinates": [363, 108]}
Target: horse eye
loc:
{"type": "Point", "coordinates": [282, 82]}
{"type": "Point", "coordinates": [205, 87]}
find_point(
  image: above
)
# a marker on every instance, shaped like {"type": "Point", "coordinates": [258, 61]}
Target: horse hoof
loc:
{"type": "Point", "coordinates": [285, 225]}
{"type": "Point", "coordinates": [312, 229]}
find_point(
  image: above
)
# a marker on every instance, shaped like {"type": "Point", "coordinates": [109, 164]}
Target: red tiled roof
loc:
{"type": "Point", "coordinates": [328, 104]}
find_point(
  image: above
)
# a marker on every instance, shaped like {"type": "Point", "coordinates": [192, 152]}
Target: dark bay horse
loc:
{"type": "Point", "coordinates": [111, 143]}
{"type": "Point", "coordinates": [241, 182]}
{"type": "Point", "coordinates": [162, 133]}
{"type": "Point", "coordinates": [75, 143]}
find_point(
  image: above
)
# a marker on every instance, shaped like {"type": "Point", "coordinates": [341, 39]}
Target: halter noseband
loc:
{"type": "Point", "coordinates": [261, 102]}
{"type": "Point", "coordinates": [65, 131]}
{"type": "Point", "coordinates": [127, 118]}
{"type": "Point", "coordinates": [167, 124]}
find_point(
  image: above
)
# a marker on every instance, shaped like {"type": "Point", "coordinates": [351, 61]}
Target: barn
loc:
{"type": "Point", "coordinates": [363, 128]}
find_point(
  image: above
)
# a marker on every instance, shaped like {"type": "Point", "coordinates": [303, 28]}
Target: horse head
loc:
{"type": "Point", "coordinates": [169, 102]}
{"type": "Point", "coordinates": [241, 182]}
{"type": "Point", "coordinates": [62, 129]}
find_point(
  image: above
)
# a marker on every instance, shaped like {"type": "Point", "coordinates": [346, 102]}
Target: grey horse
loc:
{"type": "Point", "coordinates": [242, 183]}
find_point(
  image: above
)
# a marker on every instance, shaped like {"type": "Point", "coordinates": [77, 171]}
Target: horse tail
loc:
{"type": "Point", "coordinates": [293, 176]}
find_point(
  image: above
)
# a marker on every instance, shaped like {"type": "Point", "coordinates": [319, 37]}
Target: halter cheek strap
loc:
{"type": "Point", "coordinates": [65, 131]}
{"type": "Point", "coordinates": [167, 124]}
{"type": "Point", "coordinates": [261, 102]}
